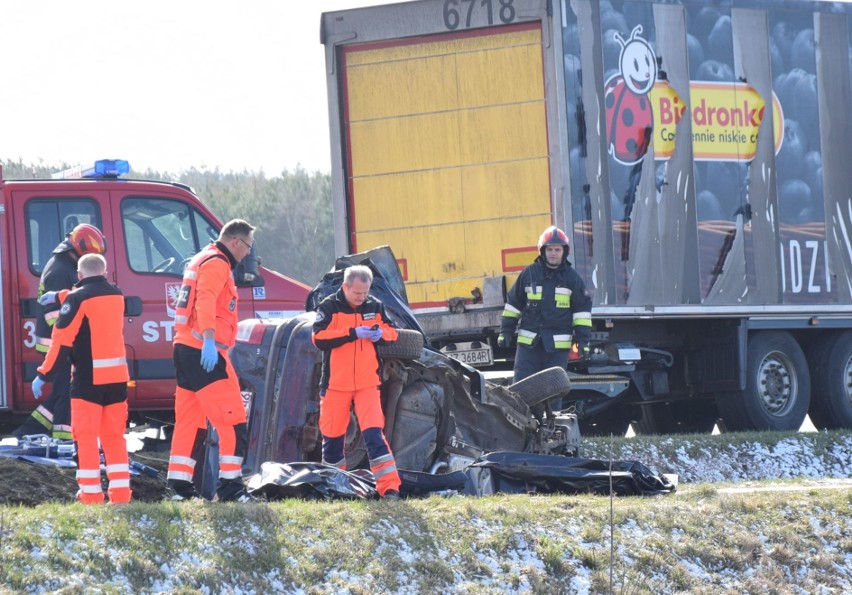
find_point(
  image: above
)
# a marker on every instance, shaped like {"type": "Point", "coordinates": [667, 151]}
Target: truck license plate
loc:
{"type": "Point", "coordinates": [472, 356]}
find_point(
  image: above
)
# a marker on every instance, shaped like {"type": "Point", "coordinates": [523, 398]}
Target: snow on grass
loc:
{"type": "Point", "coordinates": [702, 539]}
{"type": "Point", "coordinates": [714, 459]}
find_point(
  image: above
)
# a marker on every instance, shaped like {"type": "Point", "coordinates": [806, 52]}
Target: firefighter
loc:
{"type": "Point", "coordinates": [89, 332]}
{"type": "Point", "coordinates": [550, 305]}
{"type": "Point", "coordinates": [348, 325]}
{"type": "Point", "coordinates": [53, 416]}
{"type": "Point", "coordinates": [207, 385]}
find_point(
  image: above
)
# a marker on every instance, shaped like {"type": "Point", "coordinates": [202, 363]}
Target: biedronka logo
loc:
{"type": "Point", "coordinates": [726, 117]}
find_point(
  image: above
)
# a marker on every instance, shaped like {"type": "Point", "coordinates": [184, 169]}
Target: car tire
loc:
{"type": "Point", "coordinates": [408, 345]}
{"type": "Point", "coordinates": [542, 386]}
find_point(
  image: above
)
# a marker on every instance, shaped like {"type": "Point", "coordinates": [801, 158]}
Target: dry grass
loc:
{"type": "Point", "coordinates": [705, 538]}
{"type": "Point", "coordinates": [695, 541]}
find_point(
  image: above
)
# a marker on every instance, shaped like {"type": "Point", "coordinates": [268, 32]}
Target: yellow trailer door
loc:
{"type": "Point", "coordinates": [448, 155]}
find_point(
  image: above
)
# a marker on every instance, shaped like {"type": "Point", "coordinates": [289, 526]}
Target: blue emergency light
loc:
{"type": "Point", "coordinates": [102, 168]}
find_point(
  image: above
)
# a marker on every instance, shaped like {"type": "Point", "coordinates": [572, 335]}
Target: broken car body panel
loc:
{"type": "Point", "coordinates": [440, 414]}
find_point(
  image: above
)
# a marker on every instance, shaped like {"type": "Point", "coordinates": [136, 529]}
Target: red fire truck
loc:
{"type": "Point", "coordinates": [152, 228]}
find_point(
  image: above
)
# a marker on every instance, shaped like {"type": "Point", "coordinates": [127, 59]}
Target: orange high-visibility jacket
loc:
{"type": "Point", "coordinates": [208, 299]}
{"type": "Point", "coordinates": [349, 363]}
{"type": "Point", "coordinates": [90, 330]}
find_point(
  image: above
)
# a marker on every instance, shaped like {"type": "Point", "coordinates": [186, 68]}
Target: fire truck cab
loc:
{"type": "Point", "coordinates": [152, 228]}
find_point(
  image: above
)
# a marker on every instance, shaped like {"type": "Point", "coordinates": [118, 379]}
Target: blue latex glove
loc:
{"type": "Point", "coordinates": [375, 334]}
{"type": "Point", "coordinates": [47, 298]}
{"type": "Point", "coordinates": [363, 332]}
{"type": "Point", "coordinates": [38, 387]}
{"type": "Point", "coordinates": [209, 355]}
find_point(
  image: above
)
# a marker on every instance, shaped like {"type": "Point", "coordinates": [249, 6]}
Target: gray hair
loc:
{"type": "Point", "coordinates": [359, 272]}
{"type": "Point", "coordinates": [91, 265]}
{"type": "Point", "coordinates": [236, 228]}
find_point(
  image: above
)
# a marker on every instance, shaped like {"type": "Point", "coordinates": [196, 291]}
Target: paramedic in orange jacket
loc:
{"type": "Point", "coordinates": [53, 415]}
{"type": "Point", "coordinates": [207, 386]}
{"type": "Point", "coordinates": [89, 330]}
{"type": "Point", "coordinates": [348, 325]}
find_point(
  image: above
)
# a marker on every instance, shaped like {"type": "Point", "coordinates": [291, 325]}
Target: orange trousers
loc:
{"type": "Point", "coordinates": [334, 419]}
{"type": "Point", "coordinates": [221, 403]}
{"type": "Point", "coordinates": [91, 422]}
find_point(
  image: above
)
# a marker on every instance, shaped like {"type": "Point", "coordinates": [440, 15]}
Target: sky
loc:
{"type": "Point", "coordinates": [167, 85]}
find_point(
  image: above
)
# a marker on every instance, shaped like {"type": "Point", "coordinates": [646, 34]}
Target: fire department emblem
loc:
{"type": "Point", "coordinates": [172, 292]}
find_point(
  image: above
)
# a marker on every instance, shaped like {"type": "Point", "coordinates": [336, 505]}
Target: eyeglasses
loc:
{"type": "Point", "coordinates": [244, 242]}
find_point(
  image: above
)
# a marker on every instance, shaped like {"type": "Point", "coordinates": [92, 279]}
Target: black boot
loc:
{"type": "Point", "coordinates": [180, 491]}
{"type": "Point", "coordinates": [233, 490]}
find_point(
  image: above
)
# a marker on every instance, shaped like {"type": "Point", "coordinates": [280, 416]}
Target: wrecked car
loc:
{"type": "Point", "coordinates": [440, 414]}
{"type": "Point", "coordinates": [451, 429]}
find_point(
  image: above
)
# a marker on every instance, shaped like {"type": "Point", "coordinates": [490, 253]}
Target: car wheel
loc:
{"type": "Point", "coordinates": [542, 386]}
{"type": "Point", "coordinates": [408, 345]}
{"type": "Point", "coordinates": [778, 386]}
{"type": "Point", "coordinates": [831, 376]}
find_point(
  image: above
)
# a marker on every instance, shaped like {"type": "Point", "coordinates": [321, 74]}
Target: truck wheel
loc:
{"type": "Point", "coordinates": [778, 386]}
{"type": "Point", "coordinates": [542, 386]}
{"type": "Point", "coordinates": [409, 345]}
{"type": "Point", "coordinates": [679, 417]}
{"type": "Point", "coordinates": [831, 375]}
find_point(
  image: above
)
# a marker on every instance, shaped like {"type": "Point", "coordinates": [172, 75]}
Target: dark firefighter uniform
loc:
{"type": "Point", "coordinates": [551, 309]}
{"type": "Point", "coordinates": [53, 416]}
{"type": "Point", "coordinates": [207, 300]}
{"type": "Point", "coordinates": [89, 332]}
{"type": "Point", "coordinates": [351, 373]}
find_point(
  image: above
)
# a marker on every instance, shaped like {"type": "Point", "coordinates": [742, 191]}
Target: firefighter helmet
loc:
{"type": "Point", "coordinates": [553, 236]}
{"type": "Point", "coordinates": [87, 239]}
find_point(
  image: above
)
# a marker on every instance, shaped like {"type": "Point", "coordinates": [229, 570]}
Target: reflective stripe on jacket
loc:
{"type": "Point", "coordinates": [90, 331]}
{"type": "Point", "coordinates": [550, 305]}
{"type": "Point", "coordinates": [349, 363]}
{"type": "Point", "coordinates": [208, 299]}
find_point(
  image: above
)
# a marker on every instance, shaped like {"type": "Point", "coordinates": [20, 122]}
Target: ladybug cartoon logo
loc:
{"type": "Point", "coordinates": [629, 118]}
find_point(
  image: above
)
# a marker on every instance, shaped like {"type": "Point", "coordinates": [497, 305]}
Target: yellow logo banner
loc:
{"type": "Point", "coordinates": [726, 119]}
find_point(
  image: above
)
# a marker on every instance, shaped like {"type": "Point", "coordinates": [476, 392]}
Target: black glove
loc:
{"type": "Point", "coordinates": [504, 340]}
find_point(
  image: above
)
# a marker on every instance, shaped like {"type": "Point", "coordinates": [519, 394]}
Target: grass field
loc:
{"type": "Point", "coordinates": [748, 535]}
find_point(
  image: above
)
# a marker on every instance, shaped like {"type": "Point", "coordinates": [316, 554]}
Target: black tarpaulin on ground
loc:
{"type": "Point", "coordinates": [312, 481]}
{"type": "Point", "coordinates": [493, 473]}
{"type": "Point", "coordinates": [520, 472]}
